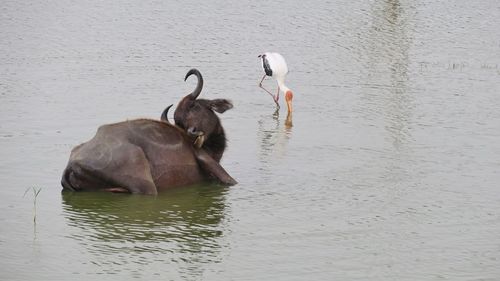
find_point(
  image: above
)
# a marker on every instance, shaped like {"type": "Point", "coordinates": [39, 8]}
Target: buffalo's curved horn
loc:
{"type": "Point", "coordinates": [199, 86]}
{"type": "Point", "coordinates": [164, 115]}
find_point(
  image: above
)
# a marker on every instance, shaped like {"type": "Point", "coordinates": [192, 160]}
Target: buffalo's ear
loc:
{"type": "Point", "coordinates": [220, 105]}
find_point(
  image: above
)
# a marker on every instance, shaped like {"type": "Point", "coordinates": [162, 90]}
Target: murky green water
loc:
{"type": "Point", "coordinates": [390, 171]}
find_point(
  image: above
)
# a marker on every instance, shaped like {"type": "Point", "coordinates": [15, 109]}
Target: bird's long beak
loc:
{"type": "Point", "coordinates": [288, 98]}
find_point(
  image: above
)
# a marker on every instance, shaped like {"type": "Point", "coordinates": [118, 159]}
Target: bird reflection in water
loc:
{"type": "Point", "coordinates": [274, 137]}
{"type": "Point", "coordinates": [288, 120]}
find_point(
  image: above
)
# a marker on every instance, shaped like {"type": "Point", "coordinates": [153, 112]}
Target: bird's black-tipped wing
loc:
{"type": "Point", "coordinates": [267, 67]}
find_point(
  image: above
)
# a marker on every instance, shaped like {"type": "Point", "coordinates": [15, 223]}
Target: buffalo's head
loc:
{"type": "Point", "coordinates": [197, 116]}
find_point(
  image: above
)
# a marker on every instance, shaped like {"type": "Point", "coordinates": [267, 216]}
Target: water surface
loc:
{"type": "Point", "coordinates": [389, 170]}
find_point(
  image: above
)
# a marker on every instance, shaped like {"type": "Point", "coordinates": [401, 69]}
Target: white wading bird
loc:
{"type": "Point", "coordinates": [275, 66]}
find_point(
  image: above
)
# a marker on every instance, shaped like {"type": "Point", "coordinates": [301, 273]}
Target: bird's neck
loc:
{"type": "Point", "coordinates": [283, 87]}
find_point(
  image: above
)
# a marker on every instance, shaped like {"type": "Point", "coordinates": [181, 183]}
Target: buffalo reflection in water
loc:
{"type": "Point", "coordinates": [178, 225]}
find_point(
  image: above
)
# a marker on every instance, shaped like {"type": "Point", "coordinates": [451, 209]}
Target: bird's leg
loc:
{"type": "Point", "coordinates": [275, 100]}
{"type": "Point", "coordinates": [260, 85]}
{"type": "Point", "coordinates": [268, 92]}
{"type": "Point", "coordinates": [263, 77]}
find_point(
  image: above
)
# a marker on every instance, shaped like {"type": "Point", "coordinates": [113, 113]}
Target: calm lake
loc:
{"type": "Point", "coordinates": [390, 169]}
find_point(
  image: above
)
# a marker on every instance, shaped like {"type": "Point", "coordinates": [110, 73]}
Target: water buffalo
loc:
{"type": "Point", "coordinates": [145, 156]}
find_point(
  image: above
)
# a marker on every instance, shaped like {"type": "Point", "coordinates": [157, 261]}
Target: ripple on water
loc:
{"type": "Point", "coordinates": [131, 229]}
